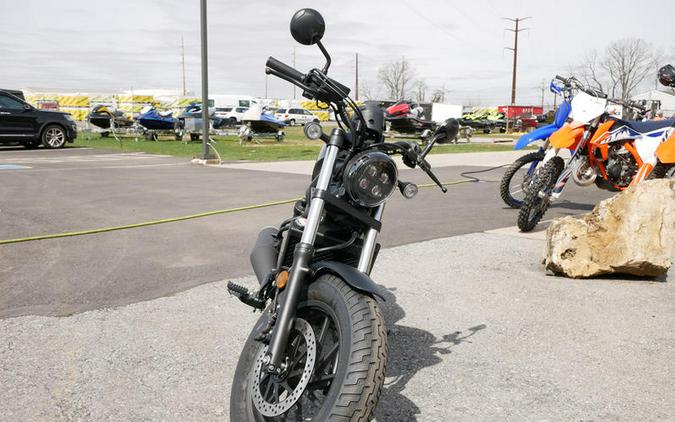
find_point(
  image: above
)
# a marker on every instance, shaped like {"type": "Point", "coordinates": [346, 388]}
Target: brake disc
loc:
{"type": "Point", "coordinates": [271, 406]}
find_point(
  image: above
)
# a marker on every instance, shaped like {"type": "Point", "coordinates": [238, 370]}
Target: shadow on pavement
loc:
{"type": "Point", "coordinates": [410, 350]}
{"type": "Point", "coordinates": [573, 206]}
{"type": "Point", "coordinates": [8, 147]}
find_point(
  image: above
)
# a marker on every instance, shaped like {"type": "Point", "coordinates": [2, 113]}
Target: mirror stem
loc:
{"type": "Point", "coordinates": [326, 55]}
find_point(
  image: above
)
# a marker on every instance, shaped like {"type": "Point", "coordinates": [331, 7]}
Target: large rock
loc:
{"type": "Point", "coordinates": [630, 233]}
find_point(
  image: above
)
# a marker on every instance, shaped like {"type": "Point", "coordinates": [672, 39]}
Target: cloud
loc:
{"type": "Point", "coordinates": [81, 45]}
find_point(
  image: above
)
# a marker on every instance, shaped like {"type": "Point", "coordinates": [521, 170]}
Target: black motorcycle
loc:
{"type": "Point", "coordinates": [319, 350]}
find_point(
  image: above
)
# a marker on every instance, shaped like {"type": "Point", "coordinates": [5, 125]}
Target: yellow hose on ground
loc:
{"type": "Point", "coordinates": [182, 218]}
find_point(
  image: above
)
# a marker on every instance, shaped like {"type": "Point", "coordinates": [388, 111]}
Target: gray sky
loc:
{"type": "Point", "coordinates": [94, 46]}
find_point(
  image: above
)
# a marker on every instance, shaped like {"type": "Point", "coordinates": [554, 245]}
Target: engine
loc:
{"type": "Point", "coordinates": [621, 166]}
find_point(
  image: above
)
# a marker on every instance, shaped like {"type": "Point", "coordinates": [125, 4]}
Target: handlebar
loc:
{"type": "Point", "coordinates": [563, 80]}
{"type": "Point", "coordinates": [285, 70]}
{"type": "Point", "coordinates": [315, 85]}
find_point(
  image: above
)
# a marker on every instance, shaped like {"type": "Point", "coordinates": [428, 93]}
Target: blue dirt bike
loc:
{"type": "Point", "coordinates": [519, 175]}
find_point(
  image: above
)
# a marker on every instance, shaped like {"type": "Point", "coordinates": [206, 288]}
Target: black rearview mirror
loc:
{"type": "Point", "coordinates": [307, 26]}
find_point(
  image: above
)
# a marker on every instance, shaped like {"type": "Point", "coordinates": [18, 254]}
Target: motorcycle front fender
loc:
{"type": "Point", "coordinates": [568, 136]}
{"type": "Point", "coordinates": [353, 277]}
{"type": "Point", "coordinates": [537, 134]}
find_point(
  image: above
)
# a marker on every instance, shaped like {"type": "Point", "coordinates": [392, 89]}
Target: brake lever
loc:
{"type": "Point", "coordinates": [424, 165]}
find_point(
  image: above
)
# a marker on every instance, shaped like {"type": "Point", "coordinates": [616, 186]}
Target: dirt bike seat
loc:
{"type": "Point", "coordinates": [648, 126]}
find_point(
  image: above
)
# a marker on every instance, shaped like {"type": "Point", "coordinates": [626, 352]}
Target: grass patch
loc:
{"type": "Point", "coordinates": [294, 147]}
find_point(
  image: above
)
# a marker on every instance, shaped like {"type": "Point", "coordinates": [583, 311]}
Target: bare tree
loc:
{"type": "Point", "coordinates": [395, 77]}
{"type": "Point", "coordinates": [369, 91]}
{"type": "Point", "coordinates": [438, 96]}
{"type": "Point", "coordinates": [591, 72]}
{"type": "Point", "coordinates": [628, 62]}
{"type": "Point", "coordinates": [420, 90]}
{"type": "Point", "coordinates": [621, 68]}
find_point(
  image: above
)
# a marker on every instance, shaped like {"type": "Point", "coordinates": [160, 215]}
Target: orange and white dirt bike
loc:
{"type": "Point", "coordinates": [609, 152]}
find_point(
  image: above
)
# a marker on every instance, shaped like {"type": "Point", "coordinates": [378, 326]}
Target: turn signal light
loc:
{"type": "Point", "coordinates": [409, 190]}
{"type": "Point", "coordinates": [282, 279]}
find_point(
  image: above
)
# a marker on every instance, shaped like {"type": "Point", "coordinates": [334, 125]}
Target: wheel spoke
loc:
{"type": "Point", "coordinates": [286, 387]}
{"type": "Point", "coordinates": [319, 381]}
{"type": "Point", "coordinates": [267, 390]}
{"type": "Point", "coordinates": [322, 363]}
{"type": "Point", "coordinates": [295, 373]}
{"type": "Point", "coordinates": [324, 326]}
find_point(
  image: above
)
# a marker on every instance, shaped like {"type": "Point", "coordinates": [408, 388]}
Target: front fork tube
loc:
{"type": "Point", "coordinates": [368, 250]}
{"type": "Point", "coordinates": [302, 256]}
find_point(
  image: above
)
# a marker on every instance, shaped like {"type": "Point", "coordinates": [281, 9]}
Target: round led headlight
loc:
{"type": "Point", "coordinates": [370, 178]}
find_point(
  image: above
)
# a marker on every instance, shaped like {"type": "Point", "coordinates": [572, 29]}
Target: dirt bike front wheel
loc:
{"type": "Point", "coordinates": [538, 197]}
{"type": "Point", "coordinates": [518, 177]}
{"type": "Point", "coordinates": [335, 361]}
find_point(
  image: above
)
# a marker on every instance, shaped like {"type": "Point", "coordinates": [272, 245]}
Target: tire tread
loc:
{"type": "Point", "coordinates": [360, 392]}
{"type": "Point", "coordinates": [510, 172]}
{"type": "Point", "coordinates": [551, 169]}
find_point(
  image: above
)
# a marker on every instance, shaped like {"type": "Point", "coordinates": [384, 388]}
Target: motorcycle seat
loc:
{"type": "Point", "coordinates": [648, 126]}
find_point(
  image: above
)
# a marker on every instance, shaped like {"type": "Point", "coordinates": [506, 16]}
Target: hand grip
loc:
{"type": "Point", "coordinates": [284, 69]}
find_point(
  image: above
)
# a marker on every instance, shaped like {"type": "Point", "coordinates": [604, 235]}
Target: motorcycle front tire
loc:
{"type": "Point", "coordinates": [505, 186]}
{"type": "Point", "coordinates": [534, 207]}
{"type": "Point", "coordinates": [357, 383]}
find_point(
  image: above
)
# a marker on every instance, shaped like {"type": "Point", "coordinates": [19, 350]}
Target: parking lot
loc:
{"type": "Point", "coordinates": [79, 189]}
{"type": "Point", "coordinates": [136, 324]}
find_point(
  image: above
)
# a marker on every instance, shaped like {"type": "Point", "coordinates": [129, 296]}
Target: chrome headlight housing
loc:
{"type": "Point", "coordinates": [370, 178]}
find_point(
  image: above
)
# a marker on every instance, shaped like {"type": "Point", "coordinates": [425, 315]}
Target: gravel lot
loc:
{"type": "Point", "coordinates": [478, 332]}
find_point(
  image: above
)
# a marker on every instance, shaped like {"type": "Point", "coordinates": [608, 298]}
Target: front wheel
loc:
{"type": "Point", "coordinates": [54, 137]}
{"type": "Point", "coordinates": [518, 177]}
{"type": "Point", "coordinates": [336, 357]}
{"type": "Point", "coordinates": [538, 197]}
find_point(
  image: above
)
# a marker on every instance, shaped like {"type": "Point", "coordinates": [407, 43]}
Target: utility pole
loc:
{"type": "Point", "coordinates": [182, 54]}
{"type": "Point", "coordinates": [205, 83]}
{"type": "Point", "coordinates": [294, 68]}
{"type": "Point", "coordinates": [356, 82]}
{"type": "Point", "coordinates": [543, 90]}
{"type": "Point", "coordinates": [515, 53]}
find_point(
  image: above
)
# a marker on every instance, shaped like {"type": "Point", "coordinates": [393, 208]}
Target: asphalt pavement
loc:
{"type": "Point", "coordinates": [74, 189]}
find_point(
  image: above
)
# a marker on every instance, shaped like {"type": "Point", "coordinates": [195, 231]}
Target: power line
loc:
{"type": "Point", "coordinates": [464, 41]}
{"type": "Point", "coordinates": [515, 31]}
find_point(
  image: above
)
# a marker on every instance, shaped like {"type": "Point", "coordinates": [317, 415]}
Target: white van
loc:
{"type": "Point", "coordinates": [241, 101]}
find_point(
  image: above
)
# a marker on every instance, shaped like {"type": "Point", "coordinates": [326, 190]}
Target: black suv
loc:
{"type": "Point", "coordinates": [24, 124]}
